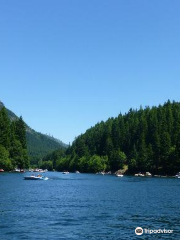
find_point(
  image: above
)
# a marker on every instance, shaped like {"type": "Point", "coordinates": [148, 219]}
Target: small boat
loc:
{"type": "Point", "coordinates": [40, 170]}
{"type": "Point", "coordinates": [148, 174]}
{"type": "Point", "coordinates": [1, 170]}
{"type": "Point", "coordinates": [33, 177]}
{"type": "Point", "coordinates": [77, 172]}
{"type": "Point", "coordinates": [139, 175]}
{"type": "Point", "coordinates": [178, 175]}
{"type": "Point", "coordinates": [119, 175]}
{"type": "Point", "coordinates": [65, 172]}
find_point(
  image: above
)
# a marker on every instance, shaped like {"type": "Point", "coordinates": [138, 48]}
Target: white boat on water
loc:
{"type": "Point", "coordinates": [65, 172]}
{"type": "Point", "coordinates": [33, 177]}
{"type": "Point", "coordinates": [178, 175]}
{"type": "Point", "coordinates": [40, 170]}
{"type": "Point", "coordinates": [139, 175]}
{"type": "Point", "coordinates": [119, 175]}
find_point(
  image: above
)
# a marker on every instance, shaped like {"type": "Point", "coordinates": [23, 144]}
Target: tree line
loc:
{"type": "Point", "coordinates": [13, 147]}
{"type": "Point", "coordinates": [39, 145]}
{"type": "Point", "coordinates": [141, 140]}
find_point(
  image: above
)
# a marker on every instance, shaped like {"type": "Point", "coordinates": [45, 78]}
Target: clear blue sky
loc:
{"type": "Point", "coordinates": [67, 64]}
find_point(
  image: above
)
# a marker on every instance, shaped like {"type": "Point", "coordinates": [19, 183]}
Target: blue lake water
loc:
{"type": "Point", "coordinates": [87, 206]}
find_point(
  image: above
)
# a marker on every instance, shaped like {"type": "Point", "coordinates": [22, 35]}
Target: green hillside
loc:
{"type": "Point", "coordinates": [142, 140]}
{"type": "Point", "coordinates": [38, 144]}
{"type": "Point", "coordinates": [13, 145]}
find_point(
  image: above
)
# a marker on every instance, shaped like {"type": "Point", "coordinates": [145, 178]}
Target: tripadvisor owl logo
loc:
{"type": "Point", "coordinates": [139, 231]}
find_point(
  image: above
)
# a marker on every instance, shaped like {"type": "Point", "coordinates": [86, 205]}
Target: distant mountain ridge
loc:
{"type": "Point", "coordinates": [38, 144]}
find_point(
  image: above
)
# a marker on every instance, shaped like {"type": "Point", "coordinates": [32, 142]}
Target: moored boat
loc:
{"type": "Point", "coordinates": [178, 175]}
{"type": "Point", "coordinates": [40, 170]}
{"type": "Point", "coordinates": [119, 175]}
{"type": "Point", "coordinates": [148, 174]}
{"type": "Point", "coordinates": [1, 170]}
{"type": "Point", "coordinates": [139, 175]}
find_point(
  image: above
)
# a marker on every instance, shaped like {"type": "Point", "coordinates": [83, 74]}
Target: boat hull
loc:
{"type": "Point", "coordinates": [33, 178]}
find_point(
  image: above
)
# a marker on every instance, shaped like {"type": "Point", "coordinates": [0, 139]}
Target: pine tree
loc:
{"type": "Point", "coordinates": [21, 132]}
{"type": "Point", "coordinates": [4, 129]}
{"type": "Point", "coordinates": [149, 138]}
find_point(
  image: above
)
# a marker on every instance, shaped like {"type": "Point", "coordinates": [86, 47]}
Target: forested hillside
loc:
{"type": "Point", "coordinates": [38, 144]}
{"type": "Point", "coordinates": [13, 147]}
{"type": "Point", "coordinates": [144, 140]}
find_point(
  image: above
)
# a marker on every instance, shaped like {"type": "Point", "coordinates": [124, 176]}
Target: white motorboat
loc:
{"type": "Point", "coordinates": [65, 172]}
{"type": "Point", "coordinates": [139, 175]}
{"type": "Point", "coordinates": [178, 175]}
{"type": "Point", "coordinates": [119, 175]}
{"type": "Point", "coordinates": [33, 177]}
{"type": "Point", "coordinates": [40, 170]}
{"type": "Point", "coordinates": [148, 174]}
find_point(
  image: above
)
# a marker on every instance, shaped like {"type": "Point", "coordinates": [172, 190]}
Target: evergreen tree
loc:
{"type": "Point", "coordinates": [21, 132]}
{"type": "Point", "coordinates": [4, 129]}
{"type": "Point", "coordinates": [145, 139]}
{"type": "Point", "coordinates": [12, 142]}
{"type": "Point", "coordinates": [5, 162]}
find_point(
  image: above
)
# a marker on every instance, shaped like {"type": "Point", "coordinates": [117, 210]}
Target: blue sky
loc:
{"type": "Point", "coordinates": [67, 64]}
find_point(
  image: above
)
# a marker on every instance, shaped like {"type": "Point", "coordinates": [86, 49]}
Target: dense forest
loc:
{"type": "Point", "coordinates": [13, 146]}
{"type": "Point", "coordinates": [141, 140]}
{"type": "Point", "coordinates": [38, 144]}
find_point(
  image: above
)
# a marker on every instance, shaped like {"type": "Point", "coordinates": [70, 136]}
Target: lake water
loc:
{"type": "Point", "coordinates": [87, 206]}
